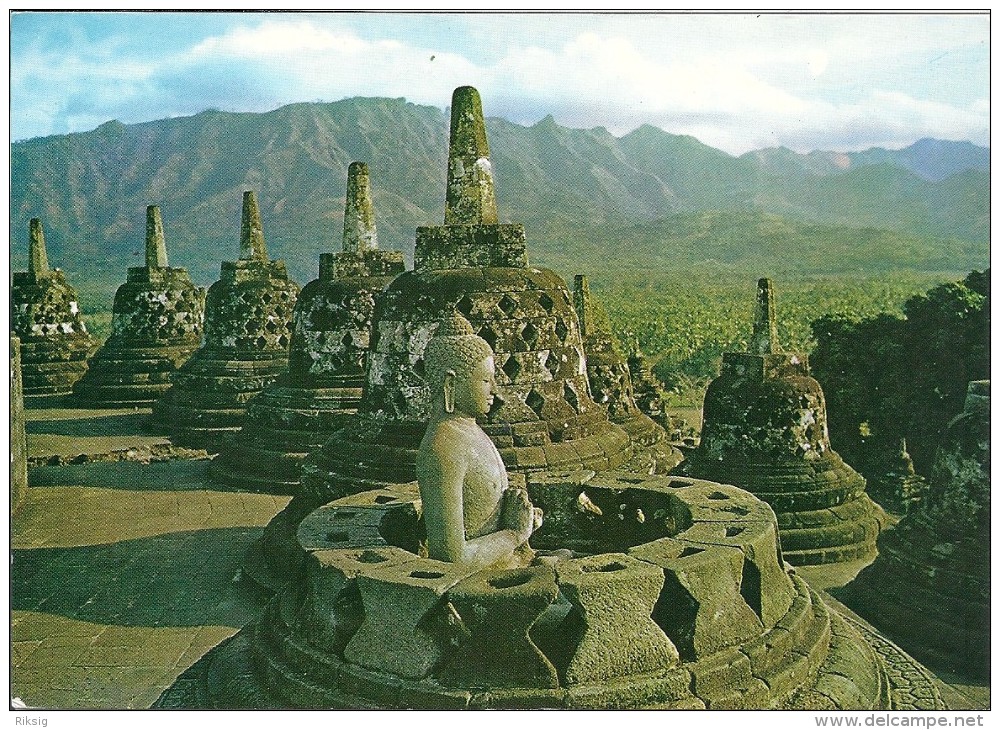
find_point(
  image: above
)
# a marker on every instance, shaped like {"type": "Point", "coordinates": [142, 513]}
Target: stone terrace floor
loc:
{"type": "Point", "coordinates": [125, 564]}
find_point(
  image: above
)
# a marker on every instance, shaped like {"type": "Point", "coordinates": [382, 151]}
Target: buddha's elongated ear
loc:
{"type": "Point", "coordinates": [449, 391]}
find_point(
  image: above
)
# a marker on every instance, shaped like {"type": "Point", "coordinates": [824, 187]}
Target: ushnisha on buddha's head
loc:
{"type": "Point", "coordinates": [459, 369]}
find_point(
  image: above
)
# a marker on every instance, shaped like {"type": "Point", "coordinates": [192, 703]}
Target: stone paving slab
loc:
{"type": "Point", "coordinates": [123, 576]}
{"type": "Point", "coordinates": [64, 434]}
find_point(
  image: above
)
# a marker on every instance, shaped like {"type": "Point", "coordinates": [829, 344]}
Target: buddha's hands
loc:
{"type": "Point", "coordinates": [518, 514]}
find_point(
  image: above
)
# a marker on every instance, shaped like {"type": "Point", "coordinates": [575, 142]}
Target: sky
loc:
{"type": "Point", "coordinates": [736, 81]}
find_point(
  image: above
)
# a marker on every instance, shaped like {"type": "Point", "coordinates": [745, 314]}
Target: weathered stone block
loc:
{"type": "Point", "coordinates": [610, 628]}
{"type": "Point", "coordinates": [720, 674]}
{"type": "Point", "coordinates": [405, 629]}
{"type": "Point", "coordinates": [764, 584]}
{"type": "Point", "coordinates": [332, 610]}
{"type": "Point", "coordinates": [497, 610]}
{"type": "Point", "coordinates": [700, 608]}
{"type": "Point", "coordinates": [460, 246]}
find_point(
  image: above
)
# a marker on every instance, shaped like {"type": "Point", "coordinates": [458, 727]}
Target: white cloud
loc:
{"type": "Point", "coordinates": [277, 38]}
{"type": "Point", "coordinates": [735, 82]}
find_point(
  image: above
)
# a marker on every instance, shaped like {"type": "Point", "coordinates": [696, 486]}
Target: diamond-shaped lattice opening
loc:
{"type": "Point", "coordinates": [512, 367]}
{"type": "Point", "coordinates": [552, 363]}
{"type": "Point", "coordinates": [571, 396]}
{"type": "Point", "coordinates": [535, 401]}
{"type": "Point", "coordinates": [283, 341]}
{"type": "Point", "coordinates": [561, 330]}
{"type": "Point", "coordinates": [284, 296]}
{"type": "Point", "coordinates": [464, 305]}
{"type": "Point", "coordinates": [270, 326]}
{"type": "Point", "coordinates": [489, 335]}
{"type": "Point", "coordinates": [266, 297]}
{"type": "Point", "coordinates": [507, 304]}
{"type": "Point", "coordinates": [547, 302]}
{"type": "Point", "coordinates": [529, 334]}
{"type": "Point", "coordinates": [261, 342]}
{"type": "Point", "coordinates": [347, 340]}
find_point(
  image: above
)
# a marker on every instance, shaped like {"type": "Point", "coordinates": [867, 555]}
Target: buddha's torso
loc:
{"type": "Point", "coordinates": [484, 484]}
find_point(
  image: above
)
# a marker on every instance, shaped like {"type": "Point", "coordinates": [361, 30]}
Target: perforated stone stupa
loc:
{"type": "Point", "coordinates": [329, 352]}
{"type": "Point", "coordinates": [248, 316]}
{"type": "Point", "coordinates": [543, 417]}
{"type": "Point", "coordinates": [611, 381]}
{"type": "Point", "coordinates": [765, 431]}
{"type": "Point", "coordinates": [45, 316]}
{"type": "Point", "coordinates": [929, 588]}
{"type": "Point", "coordinates": [156, 324]}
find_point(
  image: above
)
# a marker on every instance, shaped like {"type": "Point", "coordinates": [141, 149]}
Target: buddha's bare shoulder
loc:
{"type": "Point", "coordinates": [446, 435]}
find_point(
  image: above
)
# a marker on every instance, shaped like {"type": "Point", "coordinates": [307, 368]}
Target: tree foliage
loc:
{"type": "Point", "coordinates": [890, 377]}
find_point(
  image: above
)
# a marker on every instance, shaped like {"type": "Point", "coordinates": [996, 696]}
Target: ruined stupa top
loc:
{"type": "Point", "coordinates": [253, 263]}
{"type": "Point", "coordinates": [156, 247]}
{"type": "Point", "coordinates": [360, 233]}
{"type": "Point", "coordinates": [43, 305]}
{"type": "Point", "coordinates": [471, 236]}
{"type": "Point", "coordinates": [471, 199]}
{"type": "Point", "coordinates": [252, 230]}
{"type": "Point", "coordinates": [360, 254]}
{"type": "Point", "coordinates": [157, 270]}
{"type": "Point", "coordinates": [764, 357]}
{"type": "Point", "coordinates": [764, 340]}
{"type": "Point", "coordinates": [764, 403]}
{"type": "Point", "coordinates": [39, 274]}
{"type": "Point", "coordinates": [38, 260]}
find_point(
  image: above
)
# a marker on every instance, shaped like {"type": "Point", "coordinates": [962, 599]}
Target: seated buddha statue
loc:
{"type": "Point", "coordinates": [470, 512]}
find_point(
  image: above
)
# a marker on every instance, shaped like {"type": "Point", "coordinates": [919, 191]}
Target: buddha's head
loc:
{"type": "Point", "coordinates": [459, 369]}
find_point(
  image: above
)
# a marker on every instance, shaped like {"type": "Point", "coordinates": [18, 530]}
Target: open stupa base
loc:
{"type": "Point", "coordinates": [686, 604]}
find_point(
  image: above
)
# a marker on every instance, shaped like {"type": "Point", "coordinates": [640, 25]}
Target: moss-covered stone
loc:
{"type": "Point", "coordinates": [330, 340]}
{"type": "Point", "coordinates": [156, 325]}
{"type": "Point", "coordinates": [247, 335]}
{"type": "Point", "coordinates": [45, 316]}
{"type": "Point", "coordinates": [611, 381]}
{"type": "Point", "coordinates": [765, 431]}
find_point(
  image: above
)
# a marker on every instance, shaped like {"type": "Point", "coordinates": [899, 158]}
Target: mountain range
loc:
{"type": "Point", "coordinates": [585, 196]}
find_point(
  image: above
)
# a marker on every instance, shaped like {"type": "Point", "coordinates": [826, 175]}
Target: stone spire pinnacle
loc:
{"type": "Point", "coordinates": [470, 199]}
{"type": "Point", "coordinates": [38, 260]}
{"type": "Point", "coordinates": [359, 213]}
{"type": "Point", "coordinates": [156, 247]}
{"type": "Point", "coordinates": [252, 231]}
{"type": "Point", "coordinates": [765, 325]}
{"type": "Point", "coordinates": [581, 301]}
